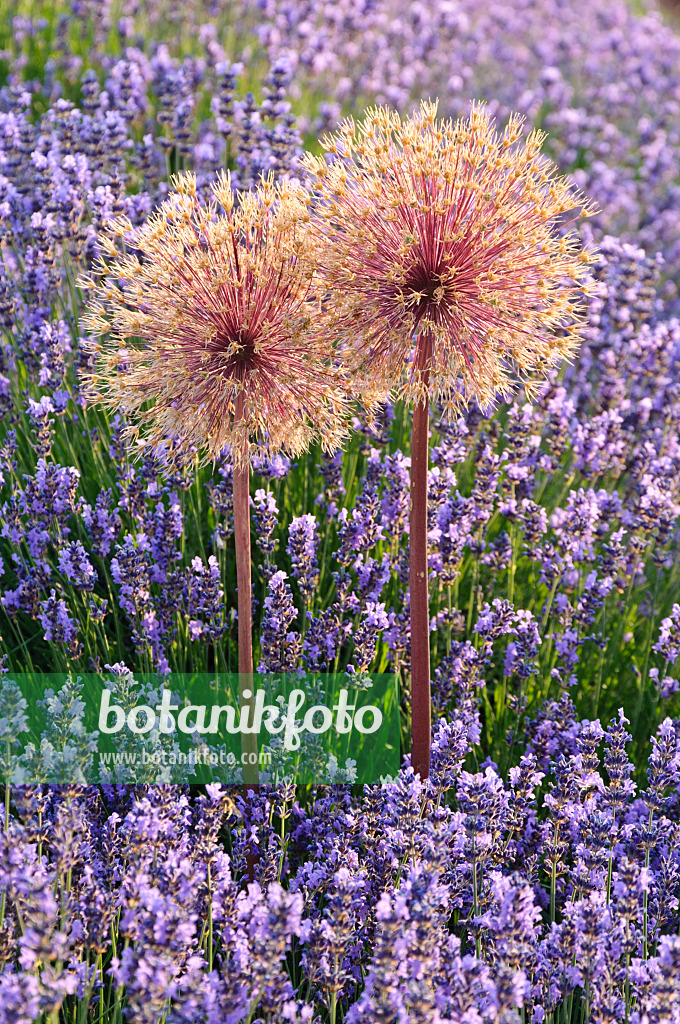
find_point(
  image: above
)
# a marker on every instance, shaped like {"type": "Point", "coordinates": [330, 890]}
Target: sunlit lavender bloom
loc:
{"type": "Point", "coordinates": [667, 685]}
{"type": "Point", "coordinates": [373, 621]}
{"type": "Point", "coordinates": [20, 996]}
{"type": "Point", "coordinates": [323, 636]}
{"type": "Point", "coordinates": [302, 551]}
{"type": "Point", "coordinates": [522, 650]}
{"type": "Point", "coordinates": [103, 524]}
{"type": "Point", "coordinates": [281, 647]}
{"type": "Point", "coordinates": [618, 765]}
{"type": "Point", "coordinates": [76, 566]}
{"type": "Point", "coordinates": [372, 577]}
{"type": "Point", "coordinates": [395, 495]}
{"type": "Point", "coordinates": [163, 527]}
{"type": "Point", "coordinates": [221, 499]}
{"type": "Point", "coordinates": [360, 528]}
{"type": "Point", "coordinates": [275, 467]}
{"type": "Point", "coordinates": [58, 625]}
{"type": "Point", "coordinates": [454, 527]}
{"type": "Point", "coordinates": [484, 802]}
{"type": "Point", "coordinates": [497, 619]}
{"type": "Point", "coordinates": [269, 920]}
{"type": "Point", "coordinates": [50, 492]}
{"type": "Point", "coordinates": [130, 569]}
{"type": "Point", "coordinates": [40, 414]}
{"type": "Point", "coordinates": [159, 915]}
{"type": "Point", "coordinates": [332, 942]}
{"type": "Point", "coordinates": [668, 642]}
{"type": "Point", "coordinates": [266, 516]}
{"type": "Point", "coordinates": [440, 481]}
{"type": "Point", "coordinates": [513, 921]}
{"type": "Point", "coordinates": [451, 743]}
{"type": "Point", "coordinates": [409, 947]}
{"type": "Point", "coordinates": [205, 600]}
{"type": "Point", "coordinates": [664, 766]}
{"type": "Point", "coordinates": [334, 489]}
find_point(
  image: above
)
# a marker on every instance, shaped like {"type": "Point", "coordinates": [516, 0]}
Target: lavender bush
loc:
{"type": "Point", "coordinates": [536, 875]}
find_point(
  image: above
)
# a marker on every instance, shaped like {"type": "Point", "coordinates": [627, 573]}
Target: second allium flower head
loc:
{"type": "Point", "coordinates": [208, 313]}
{"type": "Point", "coordinates": [437, 241]}
{"type": "Point", "coordinates": [445, 277]}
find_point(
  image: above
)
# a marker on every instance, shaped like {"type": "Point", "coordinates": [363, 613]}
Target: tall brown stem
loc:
{"type": "Point", "coordinates": [243, 576]}
{"type": "Point", "coordinates": [418, 582]}
{"type": "Point", "coordinates": [241, 484]}
{"type": "Point", "coordinates": [245, 615]}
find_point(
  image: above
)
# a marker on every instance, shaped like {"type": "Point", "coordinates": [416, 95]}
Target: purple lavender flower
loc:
{"type": "Point", "coordinates": [373, 621]}
{"type": "Point", "coordinates": [75, 565]}
{"type": "Point", "coordinates": [359, 529]}
{"type": "Point", "coordinates": [334, 489]}
{"type": "Point", "coordinates": [664, 766]}
{"type": "Point", "coordinates": [668, 642]}
{"type": "Point", "coordinates": [281, 647]}
{"type": "Point", "coordinates": [302, 551]}
{"type": "Point", "coordinates": [265, 517]}
{"type": "Point", "coordinates": [59, 627]}
{"type": "Point", "coordinates": [205, 600]}
{"type": "Point", "coordinates": [102, 525]}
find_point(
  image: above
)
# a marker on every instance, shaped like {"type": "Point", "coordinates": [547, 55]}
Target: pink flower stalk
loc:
{"type": "Point", "coordinates": [446, 279]}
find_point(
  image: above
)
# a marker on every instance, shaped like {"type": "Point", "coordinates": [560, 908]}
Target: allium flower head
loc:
{"type": "Point", "coordinates": [207, 315]}
{"type": "Point", "coordinates": [437, 243]}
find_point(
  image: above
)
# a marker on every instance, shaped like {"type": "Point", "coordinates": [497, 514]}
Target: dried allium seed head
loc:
{"type": "Point", "coordinates": [207, 315]}
{"type": "Point", "coordinates": [437, 241]}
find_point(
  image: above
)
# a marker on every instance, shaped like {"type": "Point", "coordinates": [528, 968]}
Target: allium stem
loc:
{"type": "Point", "coordinates": [418, 582]}
{"type": "Point", "coordinates": [243, 576]}
{"type": "Point", "coordinates": [241, 480]}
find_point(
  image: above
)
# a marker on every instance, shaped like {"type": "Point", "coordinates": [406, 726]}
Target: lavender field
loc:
{"type": "Point", "coordinates": [157, 516]}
